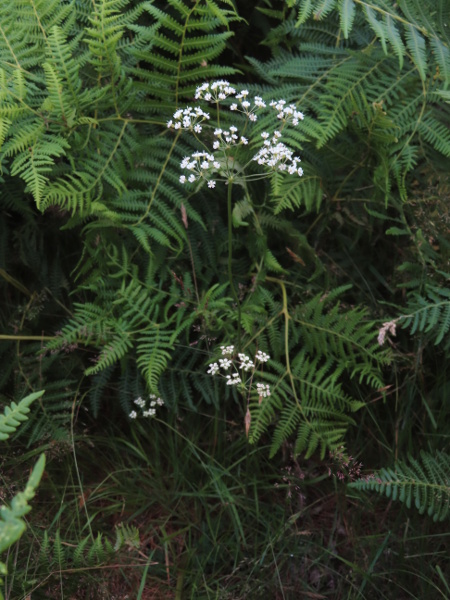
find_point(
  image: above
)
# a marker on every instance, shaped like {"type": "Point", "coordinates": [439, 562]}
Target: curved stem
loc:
{"type": "Point", "coordinates": [230, 257]}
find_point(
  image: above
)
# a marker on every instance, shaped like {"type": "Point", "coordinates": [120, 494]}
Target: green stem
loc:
{"type": "Point", "coordinates": [230, 257]}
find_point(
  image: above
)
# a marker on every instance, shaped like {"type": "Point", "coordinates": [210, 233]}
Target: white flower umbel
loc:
{"type": "Point", "coordinates": [222, 159]}
{"type": "Point", "coordinates": [140, 402]}
{"type": "Point", "coordinates": [227, 350]}
{"type": "Point", "coordinates": [233, 379]}
{"type": "Point", "coordinates": [287, 114]}
{"type": "Point", "coordinates": [150, 411]}
{"type": "Point", "coordinates": [263, 390]}
{"type": "Point", "coordinates": [188, 119]}
{"type": "Point", "coordinates": [214, 92]}
{"type": "Point", "coordinates": [213, 369]}
{"type": "Point", "coordinates": [199, 165]}
{"type": "Point", "coordinates": [240, 379]}
{"type": "Point", "coordinates": [241, 365]}
{"type": "Point", "coordinates": [262, 356]}
{"type": "Point", "coordinates": [246, 362]}
{"type": "Point", "coordinates": [276, 156]}
{"type": "Point", "coordinates": [225, 363]}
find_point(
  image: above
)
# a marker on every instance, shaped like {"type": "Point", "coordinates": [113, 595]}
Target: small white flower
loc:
{"type": "Point", "coordinates": [213, 368]}
{"type": "Point", "coordinates": [225, 363]}
{"type": "Point", "coordinates": [182, 179]}
{"type": "Point", "coordinates": [197, 128]}
{"type": "Point", "coordinates": [211, 183]}
{"type": "Point", "coordinates": [262, 356]}
{"type": "Point", "coordinates": [233, 106]}
{"type": "Point", "coordinates": [244, 140]}
{"type": "Point", "coordinates": [233, 379]}
{"type": "Point", "coordinates": [263, 390]}
{"type": "Point", "coordinates": [133, 414]}
{"type": "Point", "coordinates": [227, 350]}
{"type": "Point", "coordinates": [191, 178]}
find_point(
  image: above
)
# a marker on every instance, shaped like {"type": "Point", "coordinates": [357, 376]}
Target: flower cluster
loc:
{"type": "Point", "coordinates": [263, 390]}
{"type": "Point", "coordinates": [262, 356]}
{"type": "Point", "coordinates": [287, 114]}
{"type": "Point", "coordinates": [214, 92]}
{"type": "Point", "coordinates": [189, 118]}
{"type": "Point", "coordinates": [147, 410]}
{"type": "Point", "coordinates": [198, 165]}
{"type": "Point", "coordinates": [246, 107]}
{"type": "Point", "coordinates": [202, 165]}
{"type": "Point", "coordinates": [246, 362]}
{"type": "Point", "coordinates": [277, 156]}
{"type": "Point", "coordinates": [226, 139]}
{"type": "Point", "coordinates": [227, 350]}
{"type": "Point", "coordinates": [245, 365]}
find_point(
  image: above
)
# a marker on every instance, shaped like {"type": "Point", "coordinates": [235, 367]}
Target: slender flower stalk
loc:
{"type": "Point", "coordinates": [230, 258]}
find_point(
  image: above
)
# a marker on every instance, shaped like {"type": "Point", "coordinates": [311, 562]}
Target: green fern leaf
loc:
{"type": "Point", "coordinates": [15, 414]}
{"type": "Point", "coordinates": [425, 484]}
{"type": "Point", "coordinates": [347, 16]}
{"type": "Point", "coordinates": [394, 38]}
{"type": "Point", "coordinates": [416, 45]}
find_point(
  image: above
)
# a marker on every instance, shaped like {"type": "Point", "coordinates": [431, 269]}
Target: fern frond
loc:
{"type": "Point", "coordinates": [87, 553]}
{"type": "Point", "coordinates": [327, 330]}
{"type": "Point", "coordinates": [15, 414]}
{"type": "Point", "coordinates": [424, 484]}
{"type": "Point", "coordinates": [430, 314]}
{"type": "Point", "coordinates": [315, 410]}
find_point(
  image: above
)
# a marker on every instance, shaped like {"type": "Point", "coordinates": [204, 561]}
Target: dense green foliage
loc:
{"type": "Point", "coordinates": [12, 524]}
{"type": "Point", "coordinates": [118, 281]}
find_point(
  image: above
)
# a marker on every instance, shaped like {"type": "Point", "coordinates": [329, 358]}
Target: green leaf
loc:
{"type": "Point", "coordinates": [16, 413]}
{"type": "Point", "coordinates": [347, 15]}
{"type": "Point", "coordinates": [416, 45]}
